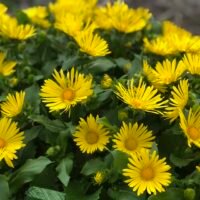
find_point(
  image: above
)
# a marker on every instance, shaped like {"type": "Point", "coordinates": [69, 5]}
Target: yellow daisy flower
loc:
{"type": "Point", "coordinates": [141, 97]}
{"type": "Point", "coordinates": [92, 43]}
{"type": "Point", "coordinates": [11, 29]}
{"type": "Point", "coordinates": [164, 73]}
{"type": "Point", "coordinates": [13, 105]}
{"type": "Point", "coordinates": [3, 8]}
{"type": "Point", "coordinates": [123, 18]}
{"type": "Point", "coordinates": [173, 40]}
{"type": "Point", "coordinates": [6, 67]}
{"type": "Point", "coordinates": [146, 172]}
{"type": "Point", "coordinates": [78, 7]}
{"type": "Point", "coordinates": [70, 24]}
{"type": "Point", "coordinates": [38, 15]}
{"type": "Point", "coordinates": [132, 138]}
{"type": "Point", "coordinates": [159, 46]}
{"type": "Point", "coordinates": [99, 177]}
{"type": "Point", "coordinates": [102, 18]}
{"type": "Point", "coordinates": [178, 101]}
{"type": "Point", "coordinates": [192, 63]}
{"type": "Point", "coordinates": [67, 90]}
{"type": "Point", "coordinates": [90, 135]}
{"type": "Point", "coordinates": [11, 140]}
{"type": "Point", "coordinates": [191, 126]}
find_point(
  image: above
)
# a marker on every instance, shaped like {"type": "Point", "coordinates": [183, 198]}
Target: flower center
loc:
{"type": "Point", "coordinates": [136, 103]}
{"type": "Point", "coordinates": [92, 137]}
{"type": "Point", "coordinates": [147, 173]}
{"type": "Point", "coordinates": [2, 143]}
{"type": "Point", "coordinates": [131, 144]}
{"type": "Point", "coordinates": [194, 133]}
{"type": "Point", "coordinates": [68, 94]}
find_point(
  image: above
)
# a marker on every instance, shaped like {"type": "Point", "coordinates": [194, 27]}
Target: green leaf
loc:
{"type": "Point", "coordinates": [120, 160]}
{"type": "Point", "coordinates": [27, 172]}
{"type": "Point", "coordinates": [179, 162]}
{"type": "Point", "coordinates": [93, 166]}
{"type": "Point", "coordinates": [123, 194]}
{"type": "Point", "coordinates": [36, 193]}
{"type": "Point", "coordinates": [101, 65]}
{"type": "Point", "coordinates": [136, 66]}
{"type": "Point", "coordinates": [51, 125]}
{"type": "Point", "coordinates": [4, 188]}
{"type": "Point", "coordinates": [170, 194]}
{"type": "Point", "coordinates": [76, 190]}
{"type": "Point", "coordinates": [64, 168]}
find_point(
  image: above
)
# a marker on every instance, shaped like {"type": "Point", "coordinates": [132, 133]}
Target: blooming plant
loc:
{"type": "Point", "coordinates": [97, 102]}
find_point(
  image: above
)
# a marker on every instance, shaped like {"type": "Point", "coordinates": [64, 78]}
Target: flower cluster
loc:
{"type": "Point", "coordinates": [97, 103]}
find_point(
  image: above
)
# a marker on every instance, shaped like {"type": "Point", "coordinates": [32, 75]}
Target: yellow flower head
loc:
{"type": "Point", "coordinates": [198, 168]}
{"type": "Point", "coordinates": [38, 15]}
{"type": "Point", "coordinates": [11, 140]}
{"type": "Point", "coordinates": [99, 177]}
{"type": "Point", "coordinates": [11, 29]}
{"type": "Point", "coordinates": [141, 97]}
{"type": "Point", "coordinates": [6, 67]}
{"type": "Point", "coordinates": [3, 8]}
{"type": "Point", "coordinates": [102, 18]}
{"type": "Point", "coordinates": [13, 105]}
{"type": "Point", "coordinates": [106, 81]}
{"type": "Point", "coordinates": [173, 40]}
{"type": "Point", "coordinates": [159, 46]}
{"type": "Point", "coordinates": [123, 18]}
{"type": "Point", "coordinates": [78, 7]}
{"type": "Point", "coordinates": [67, 90]}
{"type": "Point", "coordinates": [92, 43]}
{"type": "Point", "coordinates": [70, 24]}
{"type": "Point", "coordinates": [164, 73]}
{"type": "Point", "coordinates": [90, 135]}
{"type": "Point", "coordinates": [146, 172]}
{"type": "Point", "coordinates": [192, 63]}
{"type": "Point", "coordinates": [132, 138]}
{"type": "Point", "coordinates": [191, 126]}
{"type": "Point", "coordinates": [178, 101]}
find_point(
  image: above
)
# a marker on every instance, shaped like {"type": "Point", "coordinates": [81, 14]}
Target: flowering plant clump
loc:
{"type": "Point", "coordinates": [98, 102]}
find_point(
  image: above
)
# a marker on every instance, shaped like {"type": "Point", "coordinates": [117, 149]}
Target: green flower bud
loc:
{"type": "Point", "coordinates": [189, 194]}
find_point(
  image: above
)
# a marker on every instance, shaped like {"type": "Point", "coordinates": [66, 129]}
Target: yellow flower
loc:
{"type": "Point", "coordinates": [99, 177]}
{"type": "Point", "coordinates": [70, 24]}
{"type": "Point", "coordinates": [11, 140]}
{"type": "Point", "coordinates": [159, 46]}
{"type": "Point", "coordinates": [174, 40]}
{"type": "Point", "coordinates": [92, 43]}
{"type": "Point", "coordinates": [141, 97]}
{"type": "Point", "coordinates": [102, 18]}
{"type": "Point", "coordinates": [198, 168]}
{"type": "Point", "coordinates": [3, 8]}
{"type": "Point", "coordinates": [191, 126]}
{"type": "Point", "coordinates": [6, 67]}
{"type": "Point", "coordinates": [38, 15]}
{"type": "Point", "coordinates": [67, 90]}
{"type": "Point", "coordinates": [164, 73]}
{"type": "Point", "coordinates": [13, 105]}
{"type": "Point", "coordinates": [146, 172]}
{"type": "Point", "coordinates": [11, 29]}
{"type": "Point", "coordinates": [132, 138]}
{"type": "Point", "coordinates": [178, 102]}
{"type": "Point", "coordinates": [90, 135]}
{"type": "Point", "coordinates": [192, 63]}
{"type": "Point", "coordinates": [106, 81]}
{"type": "Point", "coordinates": [78, 7]}
{"type": "Point", "coordinates": [123, 18]}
